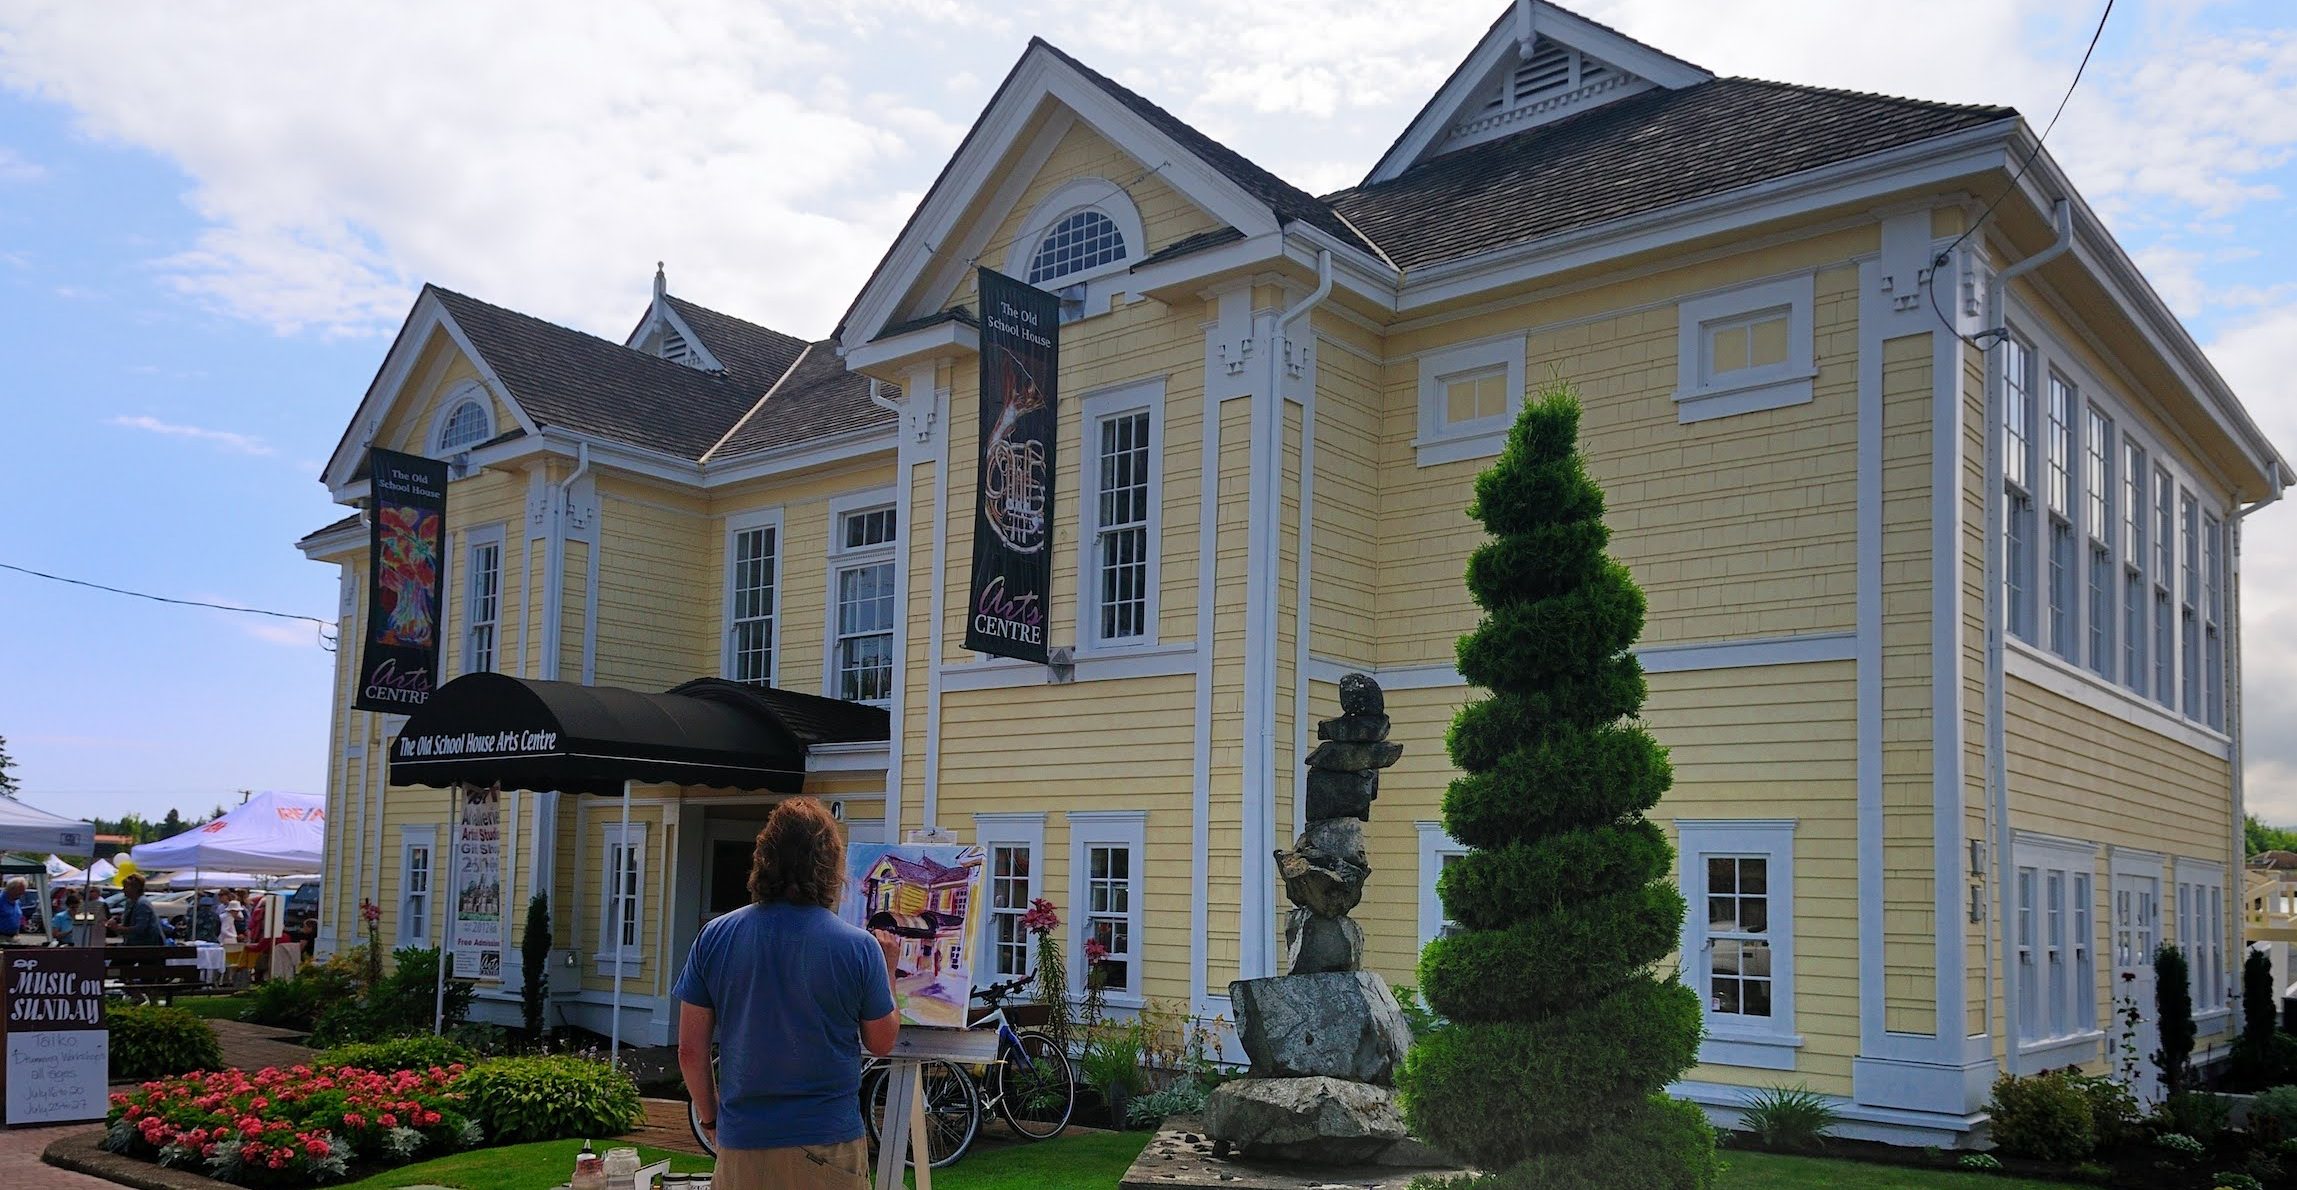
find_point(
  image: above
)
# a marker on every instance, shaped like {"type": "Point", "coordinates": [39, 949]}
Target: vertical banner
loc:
{"type": "Point", "coordinates": [478, 886]}
{"type": "Point", "coordinates": [1013, 521]}
{"type": "Point", "coordinates": [58, 1052]}
{"type": "Point", "coordinates": [399, 663]}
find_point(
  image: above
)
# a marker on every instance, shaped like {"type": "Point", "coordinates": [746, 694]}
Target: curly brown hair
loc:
{"type": "Point", "coordinates": [800, 856]}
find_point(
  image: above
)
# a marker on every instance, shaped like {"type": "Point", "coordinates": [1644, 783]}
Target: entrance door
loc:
{"type": "Point", "coordinates": [726, 865]}
{"type": "Point", "coordinates": [2137, 927]}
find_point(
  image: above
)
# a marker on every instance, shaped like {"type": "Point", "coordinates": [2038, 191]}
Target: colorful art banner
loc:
{"type": "Point", "coordinates": [478, 885]}
{"type": "Point", "coordinates": [923, 895]}
{"type": "Point", "coordinates": [1013, 501]}
{"type": "Point", "coordinates": [407, 520]}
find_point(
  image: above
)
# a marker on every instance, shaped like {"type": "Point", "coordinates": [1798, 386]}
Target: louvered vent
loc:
{"type": "Point", "coordinates": [674, 348]}
{"type": "Point", "coordinates": [1556, 77]}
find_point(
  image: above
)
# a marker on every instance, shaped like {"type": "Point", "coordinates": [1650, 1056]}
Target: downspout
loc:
{"type": "Point", "coordinates": [904, 463]}
{"type": "Point", "coordinates": [1997, 631]}
{"type": "Point", "coordinates": [1264, 815]}
{"type": "Point", "coordinates": [554, 578]}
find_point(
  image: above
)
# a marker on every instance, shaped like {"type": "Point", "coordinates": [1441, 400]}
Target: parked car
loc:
{"type": "Point", "coordinates": [302, 903]}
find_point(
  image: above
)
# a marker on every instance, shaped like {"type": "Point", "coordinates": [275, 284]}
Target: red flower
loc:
{"type": "Point", "coordinates": [352, 1119]}
{"type": "Point", "coordinates": [1041, 918]}
{"type": "Point", "coordinates": [315, 1147]}
{"type": "Point", "coordinates": [1094, 951]}
{"type": "Point", "coordinates": [369, 911]}
{"type": "Point", "coordinates": [389, 1120]}
{"type": "Point", "coordinates": [133, 1111]}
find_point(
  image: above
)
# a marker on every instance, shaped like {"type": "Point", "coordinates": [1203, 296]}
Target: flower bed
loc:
{"type": "Point", "coordinates": [292, 1127]}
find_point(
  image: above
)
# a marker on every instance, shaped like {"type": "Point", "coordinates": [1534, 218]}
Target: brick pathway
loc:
{"type": "Point", "coordinates": [253, 1047]}
{"type": "Point", "coordinates": [20, 1150]}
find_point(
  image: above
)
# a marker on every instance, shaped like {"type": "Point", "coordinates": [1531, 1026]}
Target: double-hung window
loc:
{"type": "Point", "coordinates": [418, 848]}
{"type": "Point", "coordinates": [753, 583]}
{"type": "Point", "coordinates": [2213, 620]}
{"type": "Point", "coordinates": [2164, 578]}
{"type": "Point", "coordinates": [2057, 482]}
{"type": "Point", "coordinates": [863, 605]}
{"type": "Point", "coordinates": [1738, 944]}
{"type": "Point", "coordinates": [1013, 845]}
{"type": "Point", "coordinates": [1107, 861]}
{"type": "Point", "coordinates": [2189, 607]}
{"type": "Point", "coordinates": [2054, 951]}
{"type": "Point", "coordinates": [620, 927]}
{"type": "Point", "coordinates": [2098, 532]}
{"type": "Point", "coordinates": [1124, 456]}
{"type": "Point", "coordinates": [2201, 932]}
{"type": "Point", "coordinates": [482, 603]}
{"type": "Point", "coordinates": [2134, 600]}
{"type": "Point", "coordinates": [2018, 485]}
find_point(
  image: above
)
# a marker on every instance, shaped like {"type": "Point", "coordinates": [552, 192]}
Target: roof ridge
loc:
{"type": "Point", "coordinates": [1852, 92]}
{"type": "Point", "coordinates": [689, 303]}
{"type": "Point", "coordinates": [714, 377]}
{"type": "Point", "coordinates": [760, 403]}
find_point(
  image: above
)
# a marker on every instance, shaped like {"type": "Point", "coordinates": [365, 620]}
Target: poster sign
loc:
{"type": "Point", "coordinates": [407, 544]}
{"type": "Point", "coordinates": [58, 1051]}
{"type": "Point", "coordinates": [478, 886]}
{"type": "Point", "coordinates": [923, 894]}
{"type": "Point", "coordinates": [1013, 500]}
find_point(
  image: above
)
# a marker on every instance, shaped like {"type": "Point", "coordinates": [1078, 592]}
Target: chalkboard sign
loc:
{"type": "Point", "coordinates": [58, 1052]}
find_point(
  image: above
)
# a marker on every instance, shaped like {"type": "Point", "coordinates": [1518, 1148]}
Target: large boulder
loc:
{"type": "Point", "coordinates": [1314, 943]}
{"type": "Point", "coordinates": [1343, 756]}
{"type": "Point", "coordinates": [1360, 695]}
{"type": "Point", "coordinates": [1342, 793]}
{"type": "Point", "coordinates": [1342, 1024]}
{"type": "Point", "coordinates": [1354, 729]}
{"type": "Point", "coordinates": [1324, 1121]}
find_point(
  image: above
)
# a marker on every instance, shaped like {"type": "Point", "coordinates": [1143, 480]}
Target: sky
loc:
{"type": "Point", "coordinates": [214, 215]}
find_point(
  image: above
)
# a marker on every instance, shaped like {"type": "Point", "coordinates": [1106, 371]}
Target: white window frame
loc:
{"type": "Point", "coordinates": [475, 539]}
{"type": "Point", "coordinates": [2102, 578]}
{"type": "Point", "coordinates": [1145, 396]}
{"type": "Point", "coordinates": [737, 525]}
{"type": "Point", "coordinates": [2075, 863]}
{"type": "Point", "coordinates": [2216, 538]}
{"type": "Point", "coordinates": [2137, 593]}
{"type": "Point", "coordinates": [1733, 1040]}
{"type": "Point", "coordinates": [1108, 828]}
{"type": "Point", "coordinates": [2201, 933]}
{"type": "Point", "coordinates": [1085, 292]}
{"type": "Point", "coordinates": [610, 949]}
{"type": "Point", "coordinates": [842, 559]}
{"type": "Point", "coordinates": [468, 392]}
{"type": "Point", "coordinates": [1436, 846]}
{"type": "Point", "coordinates": [1024, 832]}
{"type": "Point", "coordinates": [1792, 382]}
{"type": "Point", "coordinates": [415, 925]}
{"type": "Point", "coordinates": [1443, 441]}
{"type": "Point", "coordinates": [2019, 434]}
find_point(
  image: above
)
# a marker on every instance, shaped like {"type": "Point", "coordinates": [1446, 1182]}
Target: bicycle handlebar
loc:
{"type": "Point", "coordinates": [998, 991]}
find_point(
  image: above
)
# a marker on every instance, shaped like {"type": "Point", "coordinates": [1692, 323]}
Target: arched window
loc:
{"type": "Point", "coordinates": [467, 426]}
{"type": "Point", "coordinates": [1085, 240]}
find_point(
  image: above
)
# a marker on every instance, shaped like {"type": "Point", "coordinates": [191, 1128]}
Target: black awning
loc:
{"type": "Point", "coordinates": [519, 733]}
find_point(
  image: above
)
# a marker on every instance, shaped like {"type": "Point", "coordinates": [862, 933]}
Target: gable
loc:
{"type": "Point", "coordinates": [442, 380]}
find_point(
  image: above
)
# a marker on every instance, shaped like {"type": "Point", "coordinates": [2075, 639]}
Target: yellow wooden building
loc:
{"type": "Point", "coordinates": [1939, 518]}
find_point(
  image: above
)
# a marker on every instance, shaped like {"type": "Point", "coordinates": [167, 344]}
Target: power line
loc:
{"type": "Point", "coordinates": [2018, 174]}
{"type": "Point", "coordinates": [221, 607]}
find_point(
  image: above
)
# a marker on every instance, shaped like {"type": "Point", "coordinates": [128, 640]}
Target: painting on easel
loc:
{"type": "Point", "coordinates": [923, 894]}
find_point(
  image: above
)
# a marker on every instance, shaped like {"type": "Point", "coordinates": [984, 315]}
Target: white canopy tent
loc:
{"type": "Point", "coordinates": [24, 828]}
{"type": "Point", "coordinates": [197, 879]}
{"type": "Point", "coordinates": [270, 834]}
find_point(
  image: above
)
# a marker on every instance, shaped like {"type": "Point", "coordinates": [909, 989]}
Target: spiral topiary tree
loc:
{"type": "Point", "coordinates": [1561, 1033]}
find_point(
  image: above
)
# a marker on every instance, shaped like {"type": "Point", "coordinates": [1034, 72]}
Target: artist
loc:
{"type": "Point", "coordinates": [794, 995]}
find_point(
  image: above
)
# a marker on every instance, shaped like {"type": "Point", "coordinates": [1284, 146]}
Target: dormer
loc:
{"type": "Point", "coordinates": [1553, 82]}
{"type": "Point", "coordinates": [664, 333]}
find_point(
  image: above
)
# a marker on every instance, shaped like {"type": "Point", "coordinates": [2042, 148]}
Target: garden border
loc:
{"type": "Point", "coordinates": [83, 1153]}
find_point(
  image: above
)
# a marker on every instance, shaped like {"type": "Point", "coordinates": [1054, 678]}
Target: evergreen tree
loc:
{"type": "Point", "coordinates": [534, 965]}
{"type": "Point", "coordinates": [8, 785]}
{"type": "Point", "coordinates": [173, 824]}
{"type": "Point", "coordinates": [1561, 1034]}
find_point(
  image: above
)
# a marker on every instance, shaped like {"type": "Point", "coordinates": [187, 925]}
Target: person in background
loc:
{"type": "Point", "coordinates": [64, 927]}
{"type": "Point", "coordinates": [12, 912]}
{"type": "Point", "coordinates": [136, 924]}
{"type": "Point", "coordinates": [228, 931]}
{"type": "Point", "coordinates": [794, 996]}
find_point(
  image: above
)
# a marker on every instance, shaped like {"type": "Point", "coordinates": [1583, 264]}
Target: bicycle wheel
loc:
{"type": "Point", "coordinates": [952, 1110]}
{"type": "Point", "coordinates": [1036, 1089]}
{"type": "Point", "coordinates": [694, 1116]}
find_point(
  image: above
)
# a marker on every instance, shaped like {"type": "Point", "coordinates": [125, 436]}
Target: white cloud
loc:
{"type": "Point", "coordinates": [15, 167]}
{"type": "Point", "coordinates": [245, 444]}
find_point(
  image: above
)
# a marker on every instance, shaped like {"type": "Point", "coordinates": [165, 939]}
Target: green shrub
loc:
{"type": "Point", "coordinates": [1793, 1117]}
{"type": "Point", "coordinates": [534, 965]}
{"type": "Point", "coordinates": [1560, 1030]}
{"type": "Point", "coordinates": [2178, 1142]}
{"type": "Point", "coordinates": [404, 1053]}
{"type": "Point", "coordinates": [2197, 1114]}
{"type": "Point", "coordinates": [2114, 1116]}
{"type": "Point", "coordinates": [1183, 1098]}
{"type": "Point", "coordinates": [298, 1001]}
{"type": "Point", "coordinates": [1417, 1015]}
{"type": "Point", "coordinates": [2173, 1009]}
{"type": "Point", "coordinates": [149, 1041]}
{"type": "Point", "coordinates": [402, 1004]}
{"type": "Point", "coordinates": [2234, 1181]}
{"type": "Point", "coordinates": [2044, 1116]}
{"type": "Point", "coordinates": [2091, 1171]}
{"type": "Point", "coordinates": [1111, 1063]}
{"type": "Point", "coordinates": [549, 1098]}
{"type": "Point", "coordinates": [2273, 1116]}
{"type": "Point", "coordinates": [1980, 1163]}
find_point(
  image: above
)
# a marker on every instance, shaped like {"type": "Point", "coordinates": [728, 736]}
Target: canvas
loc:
{"type": "Point", "coordinates": [923, 894]}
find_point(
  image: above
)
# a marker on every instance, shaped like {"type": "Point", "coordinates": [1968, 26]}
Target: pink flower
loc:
{"type": "Point", "coordinates": [369, 911]}
{"type": "Point", "coordinates": [1041, 918]}
{"type": "Point", "coordinates": [315, 1147]}
{"type": "Point", "coordinates": [352, 1119]}
{"type": "Point", "coordinates": [1094, 951]}
{"type": "Point", "coordinates": [389, 1120]}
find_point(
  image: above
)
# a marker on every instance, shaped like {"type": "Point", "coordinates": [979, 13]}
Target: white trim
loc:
{"type": "Point", "coordinates": [1950, 883]}
{"type": "Point", "coordinates": [1228, 309]}
{"type": "Point", "coordinates": [1725, 1104]}
{"type": "Point", "coordinates": [1147, 661]}
{"type": "Point", "coordinates": [1749, 652]}
{"type": "Point", "coordinates": [660, 312]}
{"type": "Point", "coordinates": [475, 538]}
{"type": "Point", "coordinates": [429, 315]}
{"type": "Point", "coordinates": [841, 559]}
{"type": "Point", "coordinates": [465, 392]}
{"type": "Point", "coordinates": [1435, 845]}
{"type": "Point", "coordinates": [860, 756]}
{"type": "Point", "coordinates": [2084, 1040]}
{"type": "Point", "coordinates": [991, 831]}
{"type": "Point", "coordinates": [1699, 397]}
{"type": "Point", "coordinates": [737, 524]}
{"type": "Point", "coordinates": [1441, 441]}
{"type": "Point", "coordinates": [1733, 1040]}
{"type": "Point", "coordinates": [938, 611]}
{"type": "Point", "coordinates": [1094, 409]}
{"type": "Point", "coordinates": [1080, 194]}
{"type": "Point", "coordinates": [1109, 828]}
{"type": "Point", "coordinates": [2210, 1001]}
{"type": "Point", "coordinates": [2061, 677]}
{"type": "Point", "coordinates": [411, 839]}
{"type": "Point", "coordinates": [609, 948]}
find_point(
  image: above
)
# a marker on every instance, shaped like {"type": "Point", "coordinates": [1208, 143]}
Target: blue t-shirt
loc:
{"type": "Point", "coordinates": [61, 925]}
{"type": "Point", "coordinates": [11, 916]}
{"type": "Point", "coordinates": [791, 985]}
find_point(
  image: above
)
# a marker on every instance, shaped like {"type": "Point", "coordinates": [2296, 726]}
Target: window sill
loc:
{"type": "Point", "coordinates": [2060, 1051]}
{"type": "Point", "coordinates": [2215, 1016]}
{"type": "Point", "coordinates": [2054, 673]}
{"type": "Point", "coordinates": [1099, 664]}
{"type": "Point", "coordinates": [1704, 404]}
{"type": "Point", "coordinates": [1752, 1050]}
{"type": "Point", "coordinates": [1459, 446]}
{"type": "Point", "coordinates": [605, 964]}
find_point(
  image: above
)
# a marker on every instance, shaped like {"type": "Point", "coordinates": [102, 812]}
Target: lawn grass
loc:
{"type": "Point", "coordinates": [536, 1166]}
{"type": "Point", "coordinates": [1771, 1171]}
{"type": "Point", "coordinates": [215, 1008]}
{"type": "Point", "coordinates": [1092, 1159]}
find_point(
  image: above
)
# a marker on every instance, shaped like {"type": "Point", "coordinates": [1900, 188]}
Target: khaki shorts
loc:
{"type": "Point", "coordinates": [798, 1167]}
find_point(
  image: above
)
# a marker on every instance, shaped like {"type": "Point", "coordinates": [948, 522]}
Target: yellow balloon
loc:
{"type": "Point", "coordinates": [124, 867]}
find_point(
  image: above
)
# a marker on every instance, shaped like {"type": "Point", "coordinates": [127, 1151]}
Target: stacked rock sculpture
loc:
{"type": "Point", "coordinates": [1326, 1037]}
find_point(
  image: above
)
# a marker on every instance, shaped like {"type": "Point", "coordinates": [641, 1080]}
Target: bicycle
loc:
{"type": "Point", "coordinates": [1031, 1084]}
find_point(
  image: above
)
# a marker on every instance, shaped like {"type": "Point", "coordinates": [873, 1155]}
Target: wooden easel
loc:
{"type": "Point", "coordinates": [903, 1127]}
